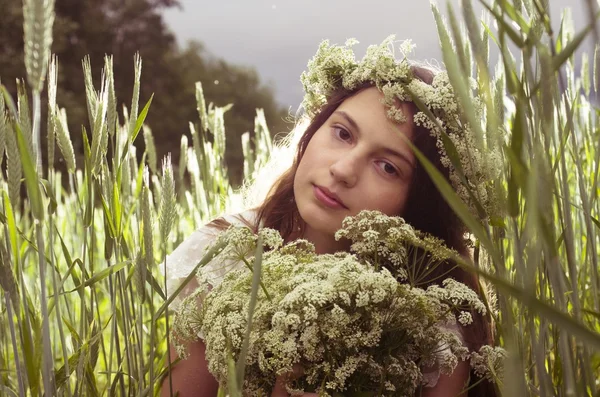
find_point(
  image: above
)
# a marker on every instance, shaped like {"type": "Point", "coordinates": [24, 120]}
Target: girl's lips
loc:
{"type": "Point", "coordinates": [325, 199]}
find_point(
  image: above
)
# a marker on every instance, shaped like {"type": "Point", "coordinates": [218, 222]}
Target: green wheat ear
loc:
{"type": "Point", "coordinates": [63, 138]}
{"type": "Point", "coordinates": [7, 277]}
{"type": "Point", "coordinates": [147, 218]}
{"type": "Point", "coordinates": [111, 112]}
{"type": "Point", "coordinates": [183, 149]}
{"type": "Point", "coordinates": [24, 115]}
{"type": "Point", "coordinates": [38, 18]}
{"type": "Point", "coordinates": [150, 149]}
{"type": "Point", "coordinates": [167, 207]}
{"type": "Point", "coordinates": [13, 168]}
{"type": "Point", "coordinates": [51, 124]}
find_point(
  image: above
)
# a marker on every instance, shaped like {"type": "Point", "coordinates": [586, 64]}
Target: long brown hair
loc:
{"type": "Point", "coordinates": [425, 210]}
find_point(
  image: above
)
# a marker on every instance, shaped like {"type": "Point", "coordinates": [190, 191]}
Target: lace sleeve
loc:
{"type": "Point", "coordinates": [186, 256]}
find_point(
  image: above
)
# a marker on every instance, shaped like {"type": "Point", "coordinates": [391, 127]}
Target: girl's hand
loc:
{"type": "Point", "coordinates": [279, 389]}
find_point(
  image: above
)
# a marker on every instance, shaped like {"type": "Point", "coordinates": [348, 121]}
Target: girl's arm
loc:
{"type": "Point", "coordinates": [190, 377]}
{"type": "Point", "coordinates": [450, 385]}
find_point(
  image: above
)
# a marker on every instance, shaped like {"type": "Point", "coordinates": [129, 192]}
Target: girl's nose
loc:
{"type": "Point", "coordinates": [345, 170]}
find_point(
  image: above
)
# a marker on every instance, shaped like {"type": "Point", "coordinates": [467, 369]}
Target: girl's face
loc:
{"type": "Point", "coordinates": [355, 161]}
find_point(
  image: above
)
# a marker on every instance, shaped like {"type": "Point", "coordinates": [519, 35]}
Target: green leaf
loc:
{"type": "Point", "coordinates": [102, 274]}
{"type": "Point", "coordinates": [12, 229]}
{"type": "Point", "coordinates": [155, 285]}
{"type": "Point", "coordinates": [141, 118]}
{"type": "Point", "coordinates": [513, 34]}
{"type": "Point", "coordinates": [68, 259]}
{"type": "Point", "coordinates": [89, 204]}
{"type": "Point", "coordinates": [117, 207]}
{"type": "Point", "coordinates": [559, 59]}
{"type": "Point", "coordinates": [53, 205]}
{"type": "Point", "coordinates": [458, 80]}
{"type": "Point", "coordinates": [138, 126]}
{"type": "Point", "coordinates": [527, 298]}
{"type": "Point", "coordinates": [62, 375]}
{"type": "Point", "coordinates": [107, 213]}
{"type": "Point", "coordinates": [29, 168]}
{"type": "Point", "coordinates": [31, 331]}
{"type": "Point", "coordinates": [596, 222]}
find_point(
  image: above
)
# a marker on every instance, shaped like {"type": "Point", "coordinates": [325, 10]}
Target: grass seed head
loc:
{"type": "Point", "coordinates": [150, 149]}
{"type": "Point", "coordinates": [51, 126]}
{"type": "Point", "coordinates": [38, 18]}
{"type": "Point", "coordinates": [7, 277]}
{"type": "Point", "coordinates": [63, 139]}
{"type": "Point", "coordinates": [13, 167]}
{"type": "Point", "coordinates": [168, 201]}
{"type": "Point", "coordinates": [147, 210]}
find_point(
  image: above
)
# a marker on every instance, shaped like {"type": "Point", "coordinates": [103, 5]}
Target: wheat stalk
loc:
{"type": "Point", "coordinates": [63, 138]}
{"type": "Point", "coordinates": [51, 126]}
{"type": "Point", "coordinates": [150, 149]}
{"type": "Point", "coordinates": [13, 168]}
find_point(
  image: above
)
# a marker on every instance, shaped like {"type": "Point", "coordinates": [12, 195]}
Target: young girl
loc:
{"type": "Point", "coordinates": [353, 156]}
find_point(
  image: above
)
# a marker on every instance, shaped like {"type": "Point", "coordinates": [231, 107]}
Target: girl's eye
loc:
{"type": "Point", "coordinates": [342, 133]}
{"type": "Point", "coordinates": [388, 168]}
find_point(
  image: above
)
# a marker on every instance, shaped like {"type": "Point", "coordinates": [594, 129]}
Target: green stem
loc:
{"type": "Point", "coordinates": [13, 339]}
{"type": "Point", "coordinates": [48, 367]}
{"type": "Point", "coordinates": [249, 266]}
{"type": "Point", "coordinates": [37, 144]}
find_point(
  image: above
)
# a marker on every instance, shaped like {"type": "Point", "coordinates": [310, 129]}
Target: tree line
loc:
{"type": "Point", "coordinates": [122, 28]}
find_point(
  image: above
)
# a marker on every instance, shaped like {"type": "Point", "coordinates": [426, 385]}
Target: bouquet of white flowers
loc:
{"type": "Point", "coordinates": [355, 322]}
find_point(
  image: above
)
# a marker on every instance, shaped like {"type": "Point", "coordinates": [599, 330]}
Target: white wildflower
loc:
{"type": "Point", "coordinates": [345, 318]}
{"type": "Point", "coordinates": [488, 363]}
{"type": "Point", "coordinates": [465, 318]}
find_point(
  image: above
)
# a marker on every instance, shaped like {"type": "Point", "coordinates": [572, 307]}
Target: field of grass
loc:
{"type": "Point", "coordinates": [83, 303]}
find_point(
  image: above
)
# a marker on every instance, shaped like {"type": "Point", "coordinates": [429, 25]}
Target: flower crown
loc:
{"type": "Point", "coordinates": [334, 67]}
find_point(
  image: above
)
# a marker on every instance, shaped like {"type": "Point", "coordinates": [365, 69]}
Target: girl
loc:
{"type": "Point", "coordinates": [352, 156]}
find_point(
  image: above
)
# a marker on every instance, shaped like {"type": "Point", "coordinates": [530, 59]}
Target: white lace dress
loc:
{"type": "Point", "coordinates": [182, 261]}
{"type": "Point", "coordinates": [186, 256]}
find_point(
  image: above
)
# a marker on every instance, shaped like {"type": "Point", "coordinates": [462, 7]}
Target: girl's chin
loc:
{"type": "Point", "coordinates": [323, 222]}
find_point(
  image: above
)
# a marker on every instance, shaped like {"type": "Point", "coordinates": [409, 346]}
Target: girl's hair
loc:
{"type": "Point", "coordinates": [425, 210]}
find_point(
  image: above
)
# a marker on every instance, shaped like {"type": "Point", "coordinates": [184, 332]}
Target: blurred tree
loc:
{"type": "Point", "coordinates": [225, 83]}
{"type": "Point", "coordinates": [122, 28]}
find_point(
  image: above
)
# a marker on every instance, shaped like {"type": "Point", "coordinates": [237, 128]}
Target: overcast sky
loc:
{"type": "Point", "coordinates": [278, 37]}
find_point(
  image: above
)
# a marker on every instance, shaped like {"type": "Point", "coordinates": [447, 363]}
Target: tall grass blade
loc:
{"type": "Point", "coordinates": [29, 169]}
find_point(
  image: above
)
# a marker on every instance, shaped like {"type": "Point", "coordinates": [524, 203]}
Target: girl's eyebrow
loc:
{"type": "Point", "coordinates": [387, 150]}
{"type": "Point", "coordinates": [349, 119]}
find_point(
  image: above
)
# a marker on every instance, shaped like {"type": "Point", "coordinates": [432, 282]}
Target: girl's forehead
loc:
{"type": "Point", "coordinates": [367, 110]}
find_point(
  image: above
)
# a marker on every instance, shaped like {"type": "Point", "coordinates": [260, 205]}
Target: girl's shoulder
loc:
{"type": "Point", "coordinates": [182, 261]}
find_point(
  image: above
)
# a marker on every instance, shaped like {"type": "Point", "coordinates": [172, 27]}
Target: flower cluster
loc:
{"type": "Point", "coordinates": [351, 325]}
{"type": "Point", "coordinates": [488, 363]}
{"type": "Point", "coordinates": [390, 242]}
{"type": "Point", "coordinates": [476, 163]}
